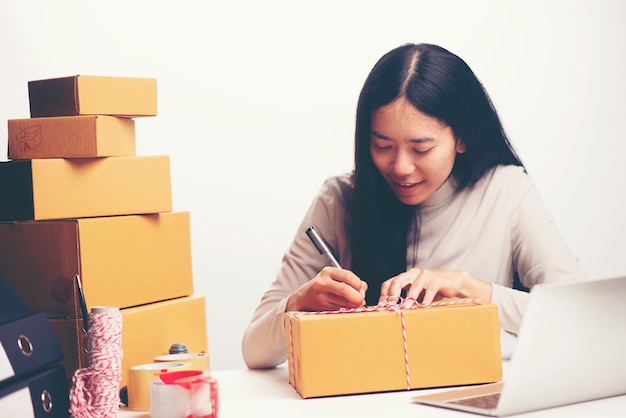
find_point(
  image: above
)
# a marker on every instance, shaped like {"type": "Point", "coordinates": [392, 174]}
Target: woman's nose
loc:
{"type": "Point", "coordinates": [402, 164]}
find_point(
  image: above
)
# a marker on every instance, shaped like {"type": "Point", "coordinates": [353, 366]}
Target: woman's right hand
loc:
{"type": "Point", "coordinates": [332, 289]}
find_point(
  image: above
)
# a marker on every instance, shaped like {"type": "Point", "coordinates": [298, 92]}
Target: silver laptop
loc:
{"type": "Point", "coordinates": [571, 348]}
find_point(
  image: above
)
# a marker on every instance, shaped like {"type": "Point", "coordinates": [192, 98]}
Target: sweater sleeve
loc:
{"type": "Point", "coordinates": [539, 252]}
{"type": "Point", "coordinates": [264, 344]}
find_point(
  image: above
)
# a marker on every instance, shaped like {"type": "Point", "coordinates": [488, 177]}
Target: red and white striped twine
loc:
{"type": "Point", "coordinates": [95, 389]}
{"type": "Point", "coordinates": [391, 303]}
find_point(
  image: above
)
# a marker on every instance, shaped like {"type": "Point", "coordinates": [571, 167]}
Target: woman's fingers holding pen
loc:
{"type": "Point", "coordinates": [344, 288]}
{"type": "Point", "coordinates": [333, 288]}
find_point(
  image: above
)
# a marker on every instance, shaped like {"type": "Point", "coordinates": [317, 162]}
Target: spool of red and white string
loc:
{"type": "Point", "coordinates": [95, 389]}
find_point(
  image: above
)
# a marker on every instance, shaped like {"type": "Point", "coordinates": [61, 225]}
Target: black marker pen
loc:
{"type": "Point", "coordinates": [321, 246]}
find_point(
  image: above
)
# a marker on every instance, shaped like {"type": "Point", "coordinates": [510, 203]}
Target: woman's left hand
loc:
{"type": "Point", "coordinates": [424, 286]}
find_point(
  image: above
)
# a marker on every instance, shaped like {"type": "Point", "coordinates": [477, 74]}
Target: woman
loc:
{"type": "Point", "coordinates": [438, 205]}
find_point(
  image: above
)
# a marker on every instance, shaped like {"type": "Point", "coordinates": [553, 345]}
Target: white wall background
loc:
{"type": "Point", "coordinates": [257, 103]}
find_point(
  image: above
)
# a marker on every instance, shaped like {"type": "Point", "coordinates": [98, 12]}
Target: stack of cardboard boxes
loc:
{"type": "Point", "coordinates": [75, 199]}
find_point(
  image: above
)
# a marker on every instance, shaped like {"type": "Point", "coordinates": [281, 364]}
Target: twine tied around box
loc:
{"type": "Point", "coordinates": [390, 304]}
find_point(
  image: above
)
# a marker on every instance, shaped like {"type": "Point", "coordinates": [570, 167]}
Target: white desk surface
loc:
{"type": "Point", "coordinates": [267, 393]}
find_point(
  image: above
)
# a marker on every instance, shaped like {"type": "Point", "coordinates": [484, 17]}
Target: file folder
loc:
{"type": "Point", "coordinates": [26, 345]}
{"type": "Point", "coordinates": [42, 395]}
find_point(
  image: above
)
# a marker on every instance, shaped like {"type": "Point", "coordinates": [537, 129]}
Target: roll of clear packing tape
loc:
{"type": "Point", "coordinates": [199, 361]}
{"type": "Point", "coordinates": [139, 379]}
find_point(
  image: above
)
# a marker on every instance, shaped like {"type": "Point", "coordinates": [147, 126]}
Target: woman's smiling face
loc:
{"type": "Point", "coordinates": [414, 152]}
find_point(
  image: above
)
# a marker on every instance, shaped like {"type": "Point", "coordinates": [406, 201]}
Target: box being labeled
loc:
{"type": "Point", "coordinates": [71, 137]}
{"type": "Point", "coordinates": [453, 342]}
{"type": "Point", "coordinates": [148, 331]}
{"type": "Point", "coordinates": [122, 260]}
{"type": "Point", "coordinates": [59, 188]}
{"type": "Point", "coordinates": [93, 95]}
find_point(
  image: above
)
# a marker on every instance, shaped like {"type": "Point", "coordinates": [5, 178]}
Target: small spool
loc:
{"type": "Point", "coordinates": [178, 348]}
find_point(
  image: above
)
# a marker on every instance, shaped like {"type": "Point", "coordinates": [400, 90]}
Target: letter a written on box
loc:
{"type": "Point", "coordinates": [29, 138]}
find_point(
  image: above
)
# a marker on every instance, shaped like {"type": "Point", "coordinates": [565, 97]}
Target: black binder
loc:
{"type": "Point", "coordinates": [42, 395]}
{"type": "Point", "coordinates": [32, 381]}
{"type": "Point", "coordinates": [27, 345]}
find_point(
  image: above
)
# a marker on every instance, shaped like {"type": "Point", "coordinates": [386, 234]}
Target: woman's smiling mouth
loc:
{"type": "Point", "coordinates": [406, 192]}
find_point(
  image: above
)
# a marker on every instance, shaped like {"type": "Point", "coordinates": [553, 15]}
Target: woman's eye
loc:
{"type": "Point", "coordinates": [422, 151]}
{"type": "Point", "coordinates": [382, 146]}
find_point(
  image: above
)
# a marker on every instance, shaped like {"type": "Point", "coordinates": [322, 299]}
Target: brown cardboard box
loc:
{"type": "Point", "coordinates": [71, 137]}
{"type": "Point", "coordinates": [58, 188]}
{"type": "Point", "coordinates": [148, 331]}
{"type": "Point", "coordinates": [93, 95]}
{"type": "Point", "coordinates": [122, 260]}
{"type": "Point", "coordinates": [455, 343]}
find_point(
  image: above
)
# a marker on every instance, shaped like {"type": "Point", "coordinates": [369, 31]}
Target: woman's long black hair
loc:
{"type": "Point", "coordinates": [439, 84]}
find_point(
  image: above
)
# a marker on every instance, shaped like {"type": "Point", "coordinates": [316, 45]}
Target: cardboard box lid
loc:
{"type": "Point", "coordinates": [93, 95]}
